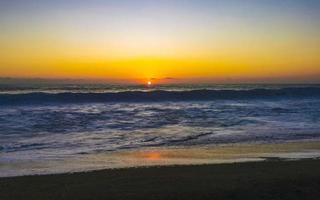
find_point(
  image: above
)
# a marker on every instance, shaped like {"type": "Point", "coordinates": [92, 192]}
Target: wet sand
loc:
{"type": "Point", "coordinates": [211, 154]}
{"type": "Point", "coordinates": [271, 179]}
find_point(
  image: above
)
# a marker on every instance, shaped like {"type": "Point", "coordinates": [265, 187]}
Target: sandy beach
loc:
{"type": "Point", "coordinates": [254, 180]}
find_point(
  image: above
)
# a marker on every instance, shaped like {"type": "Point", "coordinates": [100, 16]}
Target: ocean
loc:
{"type": "Point", "coordinates": [54, 128]}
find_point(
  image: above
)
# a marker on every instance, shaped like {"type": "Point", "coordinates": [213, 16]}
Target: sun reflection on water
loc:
{"type": "Point", "coordinates": [153, 156]}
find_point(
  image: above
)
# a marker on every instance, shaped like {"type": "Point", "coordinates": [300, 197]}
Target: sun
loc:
{"type": "Point", "coordinates": [149, 83]}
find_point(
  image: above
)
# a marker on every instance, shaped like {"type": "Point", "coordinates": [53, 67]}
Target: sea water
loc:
{"type": "Point", "coordinates": [45, 123]}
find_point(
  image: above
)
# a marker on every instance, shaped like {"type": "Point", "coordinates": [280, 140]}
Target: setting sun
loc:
{"type": "Point", "coordinates": [149, 83]}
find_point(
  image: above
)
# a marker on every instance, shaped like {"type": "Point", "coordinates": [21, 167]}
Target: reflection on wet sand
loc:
{"type": "Point", "coordinates": [166, 156]}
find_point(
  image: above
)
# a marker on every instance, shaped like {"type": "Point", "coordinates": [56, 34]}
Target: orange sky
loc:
{"type": "Point", "coordinates": [193, 41]}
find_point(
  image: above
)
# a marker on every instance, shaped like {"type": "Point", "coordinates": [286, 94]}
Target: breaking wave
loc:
{"type": "Point", "coordinates": [157, 96]}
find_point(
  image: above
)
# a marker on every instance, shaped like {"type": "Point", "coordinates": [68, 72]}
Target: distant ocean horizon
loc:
{"type": "Point", "coordinates": [44, 123]}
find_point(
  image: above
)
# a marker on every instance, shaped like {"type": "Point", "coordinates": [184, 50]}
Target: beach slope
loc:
{"type": "Point", "coordinates": [256, 180]}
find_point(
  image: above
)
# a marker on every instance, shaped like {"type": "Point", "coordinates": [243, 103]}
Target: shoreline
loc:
{"type": "Point", "coordinates": [273, 179]}
{"type": "Point", "coordinates": [148, 157]}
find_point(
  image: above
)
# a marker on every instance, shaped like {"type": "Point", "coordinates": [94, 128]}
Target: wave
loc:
{"type": "Point", "coordinates": [157, 96]}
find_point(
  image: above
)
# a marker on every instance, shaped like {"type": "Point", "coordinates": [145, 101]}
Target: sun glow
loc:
{"type": "Point", "coordinates": [180, 41]}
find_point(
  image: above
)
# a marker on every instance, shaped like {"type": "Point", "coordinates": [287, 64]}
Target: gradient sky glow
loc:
{"type": "Point", "coordinates": [126, 39]}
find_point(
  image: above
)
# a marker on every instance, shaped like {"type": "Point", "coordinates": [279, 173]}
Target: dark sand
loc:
{"type": "Point", "coordinates": [259, 180]}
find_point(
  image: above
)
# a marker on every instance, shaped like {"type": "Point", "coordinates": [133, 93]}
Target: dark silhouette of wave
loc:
{"type": "Point", "coordinates": [158, 96]}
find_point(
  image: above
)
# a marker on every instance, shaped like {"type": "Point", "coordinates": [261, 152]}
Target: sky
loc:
{"type": "Point", "coordinates": [198, 40]}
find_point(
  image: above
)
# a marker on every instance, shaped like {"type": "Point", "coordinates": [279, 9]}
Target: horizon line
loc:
{"type": "Point", "coordinates": [165, 80]}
